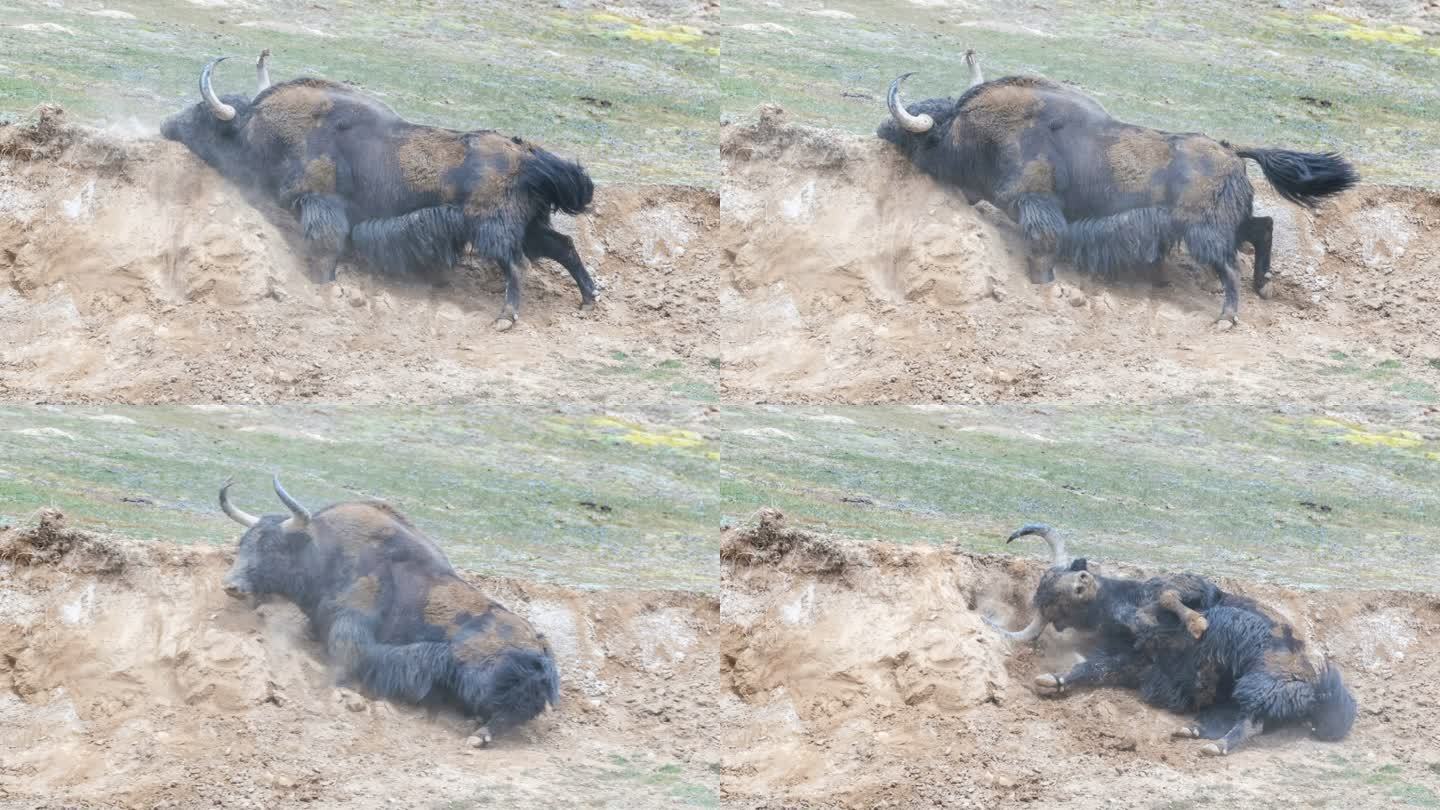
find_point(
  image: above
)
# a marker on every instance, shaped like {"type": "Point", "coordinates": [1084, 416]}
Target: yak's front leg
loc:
{"type": "Point", "coordinates": [1041, 220]}
{"type": "Point", "coordinates": [1107, 668]}
{"type": "Point", "coordinates": [327, 230]}
{"type": "Point", "coordinates": [1225, 740]}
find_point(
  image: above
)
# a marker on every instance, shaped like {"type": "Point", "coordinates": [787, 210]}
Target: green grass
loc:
{"type": "Point", "coordinates": [1246, 72]}
{"type": "Point", "coordinates": [563, 494]}
{"type": "Point", "coordinates": [1295, 498]}
{"type": "Point", "coordinates": [632, 99]}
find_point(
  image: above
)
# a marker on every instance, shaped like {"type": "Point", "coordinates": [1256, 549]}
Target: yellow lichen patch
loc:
{"type": "Point", "coordinates": [673, 34]}
{"type": "Point", "coordinates": [1365, 437]}
{"type": "Point", "coordinates": [1395, 34]}
{"type": "Point", "coordinates": [606, 17]}
{"type": "Point", "coordinates": [645, 436]}
{"type": "Point", "coordinates": [1328, 18]}
{"type": "Point", "coordinates": [1392, 438]}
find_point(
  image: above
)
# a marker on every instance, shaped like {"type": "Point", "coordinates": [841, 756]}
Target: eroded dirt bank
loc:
{"type": "Point", "coordinates": [130, 272]}
{"type": "Point", "coordinates": [852, 278]}
{"type": "Point", "coordinates": [128, 679]}
{"type": "Point", "coordinates": [862, 675]}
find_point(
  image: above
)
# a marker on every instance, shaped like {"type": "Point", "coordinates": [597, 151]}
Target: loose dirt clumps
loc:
{"type": "Point", "coordinates": [851, 277]}
{"type": "Point", "coordinates": [874, 682]}
{"type": "Point", "coordinates": [137, 683]}
{"type": "Point", "coordinates": [131, 272]}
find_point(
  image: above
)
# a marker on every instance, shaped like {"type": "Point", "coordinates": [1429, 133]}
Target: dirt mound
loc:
{"type": "Point", "coordinates": [851, 277]}
{"type": "Point", "coordinates": [138, 683]}
{"type": "Point", "coordinates": [130, 272]}
{"type": "Point", "coordinates": [874, 683]}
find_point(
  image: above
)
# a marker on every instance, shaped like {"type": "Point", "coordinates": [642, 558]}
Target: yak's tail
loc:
{"type": "Point", "coordinates": [1127, 241]}
{"type": "Point", "coordinates": [509, 689]}
{"type": "Point", "coordinates": [1334, 711]}
{"type": "Point", "coordinates": [426, 239]}
{"type": "Point", "coordinates": [562, 184]}
{"type": "Point", "coordinates": [1304, 178]}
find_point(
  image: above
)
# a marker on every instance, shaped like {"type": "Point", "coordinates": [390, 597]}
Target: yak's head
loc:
{"type": "Point", "coordinates": [919, 127]}
{"type": "Point", "coordinates": [213, 127]}
{"type": "Point", "coordinates": [272, 549]}
{"type": "Point", "coordinates": [1067, 591]}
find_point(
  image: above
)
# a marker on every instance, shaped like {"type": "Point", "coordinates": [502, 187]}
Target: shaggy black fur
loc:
{"type": "Point", "coordinates": [395, 618]}
{"type": "Point", "coordinates": [1058, 164]}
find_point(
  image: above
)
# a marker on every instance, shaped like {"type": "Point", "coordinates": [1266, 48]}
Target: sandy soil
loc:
{"type": "Point", "coordinates": [861, 675]}
{"type": "Point", "coordinates": [851, 278]}
{"type": "Point", "coordinates": [128, 679]}
{"type": "Point", "coordinates": [130, 272]}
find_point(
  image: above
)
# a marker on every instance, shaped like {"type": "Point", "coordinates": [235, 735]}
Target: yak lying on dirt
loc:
{"type": "Point", "coordinates": [1234, 661]}
{"type": "Point", "coordinates": [1106, 195]}
{"type": "Point", "coordinates": [407, 198]}
{"type": "Point", "coordinates": [392, 613]}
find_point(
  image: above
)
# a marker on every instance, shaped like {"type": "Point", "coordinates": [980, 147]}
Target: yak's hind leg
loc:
{"type": "Point", "coordinates": [1120, 668]}
{"type": "Point", "coordinates": [544, 242]}
{"type": "Point", "coordinates": [1258, 231]}
{"type": "Point", "coordinates": [327, 229]}
{"type": "Point", "coordinates": [1042, 221]}
{"type": "Point", "coordinates": [1212, 722]}
{"type": "Point", "coordinates": [1214, 248]}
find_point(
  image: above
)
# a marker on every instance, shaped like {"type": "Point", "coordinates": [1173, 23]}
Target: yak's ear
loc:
{"type": "Point", "coordinates": [1080, 564]}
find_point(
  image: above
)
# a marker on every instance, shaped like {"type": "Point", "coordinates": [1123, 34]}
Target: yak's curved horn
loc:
{"type": "Point", "coordinates": [1031, 632]}
{"type": "Point", "coordinates": [973, 60]}
{"type": "Point", "coordinates": [221, 110]}
{"type": "Point", "coordinates": [262, 72]}
{"type": "Point", "coordinates": [301, 515]}
{"type": "Point", "coordinates": [1049, 535]}
{"type": "Point", "coordinates": [236, 514]}
{"type": "Point", "coordinates": [910, 123]}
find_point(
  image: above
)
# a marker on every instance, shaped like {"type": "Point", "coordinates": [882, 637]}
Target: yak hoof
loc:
{"type": "Point", "coordinates": [1049, 684]}
{"type": "Point", "coordinates": [1267, 291]}
{"type": "Point", "coordinates": [1227, 322]}
{"type": "Point", "coordinates": [587, 306]}
{"type": "Point", "coordinates": [504, 323]}
{"type": "Point", "coordinates": [1188, 732]}
{"type": "Point", "coordinates": [480, 738]}
{"type": "Point", "coordinates": [1197, 626]}
{"type": "Point", "coordinates": [1213, 750]}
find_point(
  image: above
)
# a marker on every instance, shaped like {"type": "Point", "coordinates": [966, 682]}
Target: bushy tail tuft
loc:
{"type": "Point", "coordinates": [1334, 711]}
{"type": "Point", "coordinates": [561, 184]}
{"type": "Point", "coordinates": [425, 240]}
{"type": "Point", "coordinates": [1304, 178]}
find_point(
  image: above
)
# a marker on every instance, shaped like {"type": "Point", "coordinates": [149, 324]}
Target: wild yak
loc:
{"type": "Point", "coordinates": [407, 198]}
{"type": "Point", "coordinates": [1240, 665]}
{"type": "Point", "coordinates": [1105, 195]}
{"type": "Point", "coordinates": [394, 616]}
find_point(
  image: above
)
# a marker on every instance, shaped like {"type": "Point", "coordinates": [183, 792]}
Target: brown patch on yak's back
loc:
{"type": "Point", "coordinates": [363, 595]}
{"type": "Point", "coordinates": [293, 111]}
{"type": "Point", "coordinates": [1208, 164]}
{"type": "Point", "coordinates": [449, 599]}
{"type": "Point", "coordinates": [1000, 111]}
{"type": "Point", "coordinates": [506, 630]}
{"type": "Point", "coordinates": [1037, 177]}
{"type": "Point", "coordinates": [426, 154]}
{"type": "Point", "coordinates": [320, 176]}
{"type": "Point", "coordinates": [1135, 156]}
{"type": "Point", "coordinates": [498, 159]}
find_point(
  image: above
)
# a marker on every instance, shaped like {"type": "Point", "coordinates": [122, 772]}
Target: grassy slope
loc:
{"type": "Point", "coordinates": [501, 488]}
{"type": "Point", "coordinates": [1297, 498]}
{"type": "Point", "coordinates": [1239, 71]}
{"type": "Point", "coordinates": [519, 67]}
